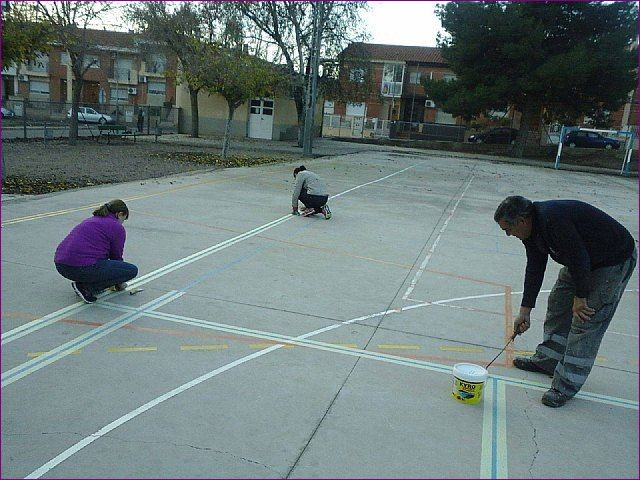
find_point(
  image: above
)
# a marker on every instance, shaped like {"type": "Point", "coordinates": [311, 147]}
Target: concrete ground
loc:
{"type": "Point", "coordinates": [265, 345]}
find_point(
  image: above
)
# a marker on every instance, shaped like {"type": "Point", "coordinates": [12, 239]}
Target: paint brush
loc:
{"type": "Point", "coordinates": [513, 337]}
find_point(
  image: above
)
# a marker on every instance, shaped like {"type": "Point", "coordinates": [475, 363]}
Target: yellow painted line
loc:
{"type": "Point", "coordinates": [461, 349]}
{"type": "Point", "coordinates": [131, 349]}
{"type": "Point", "coordinates": [523, 352]}
{"type": "Point", "coordinates": [267, 345]}
{"type": "Point", "coordinates": [398, 346]}
{"type": "Point", "coordinates": [37, 354]}
{"type": "Point", "coordinates": [346, 345]}
{"type": "Point", "coordinates": [601, 359]}
{"type": "Point", "coordinates": [203, 347]}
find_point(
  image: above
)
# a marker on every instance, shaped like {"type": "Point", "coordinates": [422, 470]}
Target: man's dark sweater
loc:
{"type": "Point", "coordinates": [576, 235]}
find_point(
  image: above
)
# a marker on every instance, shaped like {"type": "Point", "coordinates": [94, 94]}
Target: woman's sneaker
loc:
{"type": "Point", "coordinates": [84, 293]}
{"type": "Point", "coordinates": [326, 212]}
{"type": "Point", "coordinates": [308, 211]}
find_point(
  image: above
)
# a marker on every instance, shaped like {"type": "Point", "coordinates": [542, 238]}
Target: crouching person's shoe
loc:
{"type": "Point", "coordinates": [525, 363]}
{"type": "Point", "coordinates": [554, 398]}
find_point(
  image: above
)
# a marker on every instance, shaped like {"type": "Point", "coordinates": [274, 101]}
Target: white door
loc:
{"type": "Point", "coordinates": [261, 118]}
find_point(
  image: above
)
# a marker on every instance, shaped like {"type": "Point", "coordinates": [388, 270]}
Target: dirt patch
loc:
{"type": "Point", "coordinates": [35, 167]}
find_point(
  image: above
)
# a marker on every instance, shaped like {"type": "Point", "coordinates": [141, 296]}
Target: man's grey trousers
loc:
{"type": "Point", "coordinates": [570, 345]}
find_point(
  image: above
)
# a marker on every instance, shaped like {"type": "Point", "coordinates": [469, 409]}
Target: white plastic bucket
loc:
{"type": "Point", "coordinates": [468, 382]}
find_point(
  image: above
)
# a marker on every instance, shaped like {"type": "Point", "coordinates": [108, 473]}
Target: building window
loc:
{"type": "Point", "coordinates": [120, 94]}
{"type": "Point", "coordinates": [356, 75]}
{"type": "Point", "coordinates": [65, 58]}
{"type": "Point", "coordinates": [156, 63]}
{"type": "Point", "coordinates": [414, 78]}
{"type": "Point", "coordinates": [355, 109]}
{"type": "Point", "coordinates": [40, 64]}
{"type": "Point", "coordinates": [448, 77]}
{"type": "Point", "coordinates": [392, 76]}
{"type": "Point", "coordinates": [91, 61]}
{"type": "Point", "coordinates": [157, 88]}
{"type": "Point", "coordinates": [39, 88]}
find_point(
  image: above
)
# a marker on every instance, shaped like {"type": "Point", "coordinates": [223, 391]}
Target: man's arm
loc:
{"type": "Point", "coordinates": [534, 273]}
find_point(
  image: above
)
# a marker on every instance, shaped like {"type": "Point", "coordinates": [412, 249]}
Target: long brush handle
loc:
{"type": "Point", "coordinates": [513, 337]}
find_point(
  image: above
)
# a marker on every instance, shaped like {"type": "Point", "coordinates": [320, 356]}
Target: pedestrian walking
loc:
{"type": "Point", "coordinates": [598, 256]}
{"type": "Point", "coordinates": [91, 255]}
{"type": "Point", "coordinates": [311, 190]}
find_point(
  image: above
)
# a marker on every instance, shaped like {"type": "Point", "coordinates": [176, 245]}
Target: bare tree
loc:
{"type": "Point", "coordinates": [287, 27]}
{"type": "Point", "coordinates": [187, 30]}
{"type": "Point", "coordinates": [69, 22]}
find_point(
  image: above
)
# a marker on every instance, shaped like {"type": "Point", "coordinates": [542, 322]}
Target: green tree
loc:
{"type": "Point", "coordinates": [568, 58]}
{"type": "Point", "coordinates": [69, 22]}
{"type": "Point", "coordinates": [237, 77]}
{"type": "Point", "coordinates": [22, 36]}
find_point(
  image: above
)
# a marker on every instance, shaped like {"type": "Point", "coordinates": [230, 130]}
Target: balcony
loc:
{"type": "Point", "coordinates": [391, 89]}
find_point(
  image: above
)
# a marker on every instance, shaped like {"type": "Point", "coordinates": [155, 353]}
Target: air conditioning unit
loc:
{"type": "Point", "coordinates": [429, 104]}
{"type": "Point", "coordinates": [133, 90]}
{"type": "Point", "coordinates": [23, 78]}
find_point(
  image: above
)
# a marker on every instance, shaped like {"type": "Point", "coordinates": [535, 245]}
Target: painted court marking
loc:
{"type": "Point", "coordinates": [432, 249]}
{"type": "Point", "coordinates": [77, 307]}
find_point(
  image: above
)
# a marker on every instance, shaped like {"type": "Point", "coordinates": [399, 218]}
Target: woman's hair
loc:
{"type": "Point", "coordinates": [114, 206]}
{"type": "Point", "coordinates": [299, 169]}
{"type": "Point", "coordinates": [512, 208]}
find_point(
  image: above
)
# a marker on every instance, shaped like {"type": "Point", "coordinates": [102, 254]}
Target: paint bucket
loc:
{"type": "Point", "coordinates": [468, 382]}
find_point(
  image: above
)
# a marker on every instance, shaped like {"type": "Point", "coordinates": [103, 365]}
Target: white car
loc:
{"type": "Point", "coordinates": [89, 115]}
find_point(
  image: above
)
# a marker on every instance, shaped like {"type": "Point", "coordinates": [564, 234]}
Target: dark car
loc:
{"type": "Point", "coordinates": [495, 135]}
{"type": "Point", "coordinates": [585, 139]}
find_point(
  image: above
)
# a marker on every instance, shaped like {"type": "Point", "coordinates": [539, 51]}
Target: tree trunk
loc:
{"type": "Point", "coordinates": [528, 113]}
{"type": "Point", "coordinates": [227, 132]}
{"type": "Point", "coordinates": [75, 103]}
{"type": "Point", "coordinates": [195, 119]}
{"type": "Point", "coordinates": [299, 100]}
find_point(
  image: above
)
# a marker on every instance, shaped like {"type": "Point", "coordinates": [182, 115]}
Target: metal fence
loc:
{"type": "Point", "coordinates": [46, 119]}
{"type": "Point", "coordinates": [360, 127]}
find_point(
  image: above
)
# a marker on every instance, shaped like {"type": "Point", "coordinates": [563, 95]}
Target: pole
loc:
{"type": "Point", "coordinates": [318, 10]}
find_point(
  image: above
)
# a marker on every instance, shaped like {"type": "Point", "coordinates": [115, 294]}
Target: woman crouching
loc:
{"type": "Point", "coordinates": [91, 254]}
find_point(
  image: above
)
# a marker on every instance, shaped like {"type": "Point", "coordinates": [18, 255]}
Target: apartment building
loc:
{"type": "Point", "coordinates": [125, 70]}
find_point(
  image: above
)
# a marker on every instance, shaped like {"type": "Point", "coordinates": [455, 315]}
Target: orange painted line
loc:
{"type": "Point", "coordinates": [508, 324]}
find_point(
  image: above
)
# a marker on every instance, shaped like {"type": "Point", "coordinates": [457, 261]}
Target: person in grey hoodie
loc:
{"type": "Point", "coordinates": [311, 190]}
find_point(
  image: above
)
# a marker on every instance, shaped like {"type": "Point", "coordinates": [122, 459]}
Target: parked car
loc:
{"type": "Point", "coordinates": [495, 135]}
{"type": "Point", "coordinates": [7, 113]}
{"type": "Point", "coordinates": [89, 115]}
{"type": "Point", "coordinates": [582, 138]}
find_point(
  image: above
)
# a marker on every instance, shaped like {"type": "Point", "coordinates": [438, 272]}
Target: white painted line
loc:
{"type": "Point", "coordinates": [303, 341]}
{"type": "Point", "coordinates": [171, 267]}
{"type": "Point", "coordinates": [500, 444]}
{"type": "Point", "coordinates": [293, 340]}
{"type": "Point", "coordinates": [34, 325]}
{"type": "Point", "coordinates": [68, 348]}
{"type": "Point", "coordinates": [432, 249]}
{"type": "Point", "coordinates": [486, 451]}
{"type": "Point", "coordinates": [140, 410]}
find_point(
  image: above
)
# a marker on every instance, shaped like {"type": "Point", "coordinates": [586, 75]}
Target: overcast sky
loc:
{"type": "Point", "coordinates": [390, 22]}
{"type": "Point", "coordinates": [403, 23]}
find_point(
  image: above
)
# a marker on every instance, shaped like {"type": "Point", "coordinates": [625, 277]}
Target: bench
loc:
{"type": "Point", "coordinates": [115, 131]}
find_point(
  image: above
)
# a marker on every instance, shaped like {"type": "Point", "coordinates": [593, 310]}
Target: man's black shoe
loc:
{"type": "Point", "coordinates": [554, 398]}
{"type": "Point", "coordinates": [525, 363]}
